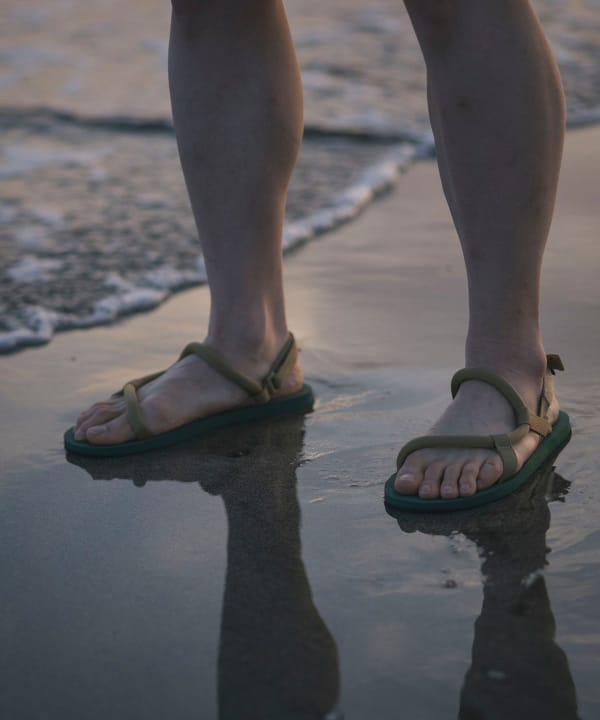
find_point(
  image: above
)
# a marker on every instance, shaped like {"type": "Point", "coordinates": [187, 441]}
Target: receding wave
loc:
{"type": "Point", "coordinates": [52, 279]}
{"type": "Point", "coordinates": [95, 222]}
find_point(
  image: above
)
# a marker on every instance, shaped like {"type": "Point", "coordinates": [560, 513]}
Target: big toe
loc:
{"type": "Point", "coordinates": [408, 481]}
{"type": "Point", "coordinates": [110, 433]}
{"type": "Point", "coordinates": [489, 473]}
{"type": "Point", "coordinates": [99, 416]}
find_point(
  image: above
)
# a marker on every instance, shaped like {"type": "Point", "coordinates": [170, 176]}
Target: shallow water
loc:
{"type": "Point", "coordinates": [95, 221]}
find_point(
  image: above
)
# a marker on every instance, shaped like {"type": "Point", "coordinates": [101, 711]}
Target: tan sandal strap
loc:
{"type": "Point", "coordinates": [132, 405]}
{"type": "Point", "coordinates": [448, 441]}
{"type": "Point", "coordinates": [503, 443]}
{"type": "Point", "coordinates": [259, 392]}
{"type": "Point", "coordinates": [282, 366]}
{"type": "Point", "coordinates": [540, 424]}
{"type": "Point", "coordinates": [537, 423]}
{"type": "Point", "coordinates": [502, 386]}
{"type": "Point", "coordinates": [138, 382]}
{"type": "Point", "coordinates": [134, 412]}
{"type": "Point", "coordinates": [219, 364]}
{"type": "Point", "coordinates": [554, 363]}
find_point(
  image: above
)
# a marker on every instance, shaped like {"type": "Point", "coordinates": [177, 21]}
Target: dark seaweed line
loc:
{"type": "Point", "coordinates": [37, 118]}
{"type": "Point", "coordinates": [41, 118]}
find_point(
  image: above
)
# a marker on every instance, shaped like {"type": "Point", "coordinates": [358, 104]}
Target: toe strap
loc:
{"type": "Point", "coordinates": [259, 392]}
{"type": "Point", "coordinates": [134, 412]}
{"type": "Point", "coordinates": [135, 415]}
{"type": "Point", "coordinates": [502, 444]}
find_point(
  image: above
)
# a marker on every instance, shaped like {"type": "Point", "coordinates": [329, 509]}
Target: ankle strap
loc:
{"type": "Point", "coordinates": [524, 417]}
{"type": "Point", "coordinates": [501, 443]}
{"type": "Point", "coordinates": [261, 391]}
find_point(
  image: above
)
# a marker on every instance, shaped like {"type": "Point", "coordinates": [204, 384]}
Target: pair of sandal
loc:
{"type": "Point", "coordinates": [262, 404]}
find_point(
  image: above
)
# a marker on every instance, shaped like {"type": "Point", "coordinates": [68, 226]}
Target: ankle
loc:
{"type": "Point", "coordinates": [522, 363]}
{"type": "Point", "coordinates": [253, 352]}
{"type": "Point", "coordinates": [256, 337]}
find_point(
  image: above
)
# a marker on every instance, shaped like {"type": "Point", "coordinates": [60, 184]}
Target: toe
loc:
{"type": "Point", "coordinates": [85, 416]}
{"type": "Point", "coordinates": [98, 418]}
{"type": "Point", "coordinates": [449, 487]}
{"type": "Point", "coordinates": [98, 414]}
{"type": "Point", "coordinates": [89, 412]}
{"type": "Point", "coordinates": [408, 479]}
{"type": "Point", "coordinates": [489, 473]}
{"type": "Point", "coordinates": [115, 431]}
{"type": "Point", "coordinates": [467, 482]}
{"type": "Point", "coordinates": [432, 478]}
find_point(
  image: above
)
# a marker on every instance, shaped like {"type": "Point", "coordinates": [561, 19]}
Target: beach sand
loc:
{"type": "Point", "coordinates": [183, 584]}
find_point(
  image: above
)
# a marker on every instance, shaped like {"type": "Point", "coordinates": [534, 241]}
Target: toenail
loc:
{"type": "Point", "coordinates": [97, 430]}
{"type": "Point", "coordinates": [406, 477]}
{"type": "Point", "coordinates": [426, 488]}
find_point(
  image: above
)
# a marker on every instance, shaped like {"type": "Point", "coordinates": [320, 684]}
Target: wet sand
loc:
{"type": "Point", "coordinates": [256, 573]}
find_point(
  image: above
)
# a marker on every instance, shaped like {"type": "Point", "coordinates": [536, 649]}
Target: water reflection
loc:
{"type": "Point", "coordinates": [277, 659]}
{"type": "Point", "coordinates": [517, 668]}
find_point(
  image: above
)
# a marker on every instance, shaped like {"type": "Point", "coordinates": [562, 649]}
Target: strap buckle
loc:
{"type": "Point", "coordinates": [554, 363]}
{"type": "Point", "coordinates": [271, 383]}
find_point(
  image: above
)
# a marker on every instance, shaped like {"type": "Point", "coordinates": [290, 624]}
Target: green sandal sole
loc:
{"type": "Point", "coordinates": [297, 404]}
{"type": "Point", "coordinates": [545, 452]}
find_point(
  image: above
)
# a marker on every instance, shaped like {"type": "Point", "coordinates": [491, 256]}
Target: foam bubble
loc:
{"type": "Point", "coordinates": [21, 159]}
{"type": "Point", "coordinates": [349, 203]}
{"type": "Point", "coordinates": [32, 269]}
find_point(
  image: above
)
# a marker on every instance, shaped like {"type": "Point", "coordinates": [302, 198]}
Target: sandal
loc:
{"type": "Point", "coordinates": [260, 404]}
{"type": "Point", "coordinates": [554, 439]}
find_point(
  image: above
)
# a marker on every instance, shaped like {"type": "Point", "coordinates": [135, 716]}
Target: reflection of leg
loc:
{"type": "Point", "coordinates": [497, 113]}
{"type": "Point", "coordinates": [237, 107]}
{"type": "Point", "coordinates": [277, 658]}
{"type": "Point", "coordinates": [518, 670]}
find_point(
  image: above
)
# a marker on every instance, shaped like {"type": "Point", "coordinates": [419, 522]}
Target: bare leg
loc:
{"type": "Point", "coordinates": [497, 112]}
{"type": "Point", "coordinates": [237, 106]}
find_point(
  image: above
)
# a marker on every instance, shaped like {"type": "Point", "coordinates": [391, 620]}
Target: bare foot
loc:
{"type": "Point", "coordinates": [188, 390]}
{"type": "Point", "coordinates": [477, 409]}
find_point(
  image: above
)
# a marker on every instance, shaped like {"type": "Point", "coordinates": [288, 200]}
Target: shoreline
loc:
{"type": "Point", "coordinates": [356, 266]}
{"type": "Point", "coordinates": [121, 295]}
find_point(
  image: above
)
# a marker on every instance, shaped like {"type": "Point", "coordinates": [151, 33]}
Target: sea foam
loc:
{"type": "Point", "coordinates": [35, 324]}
